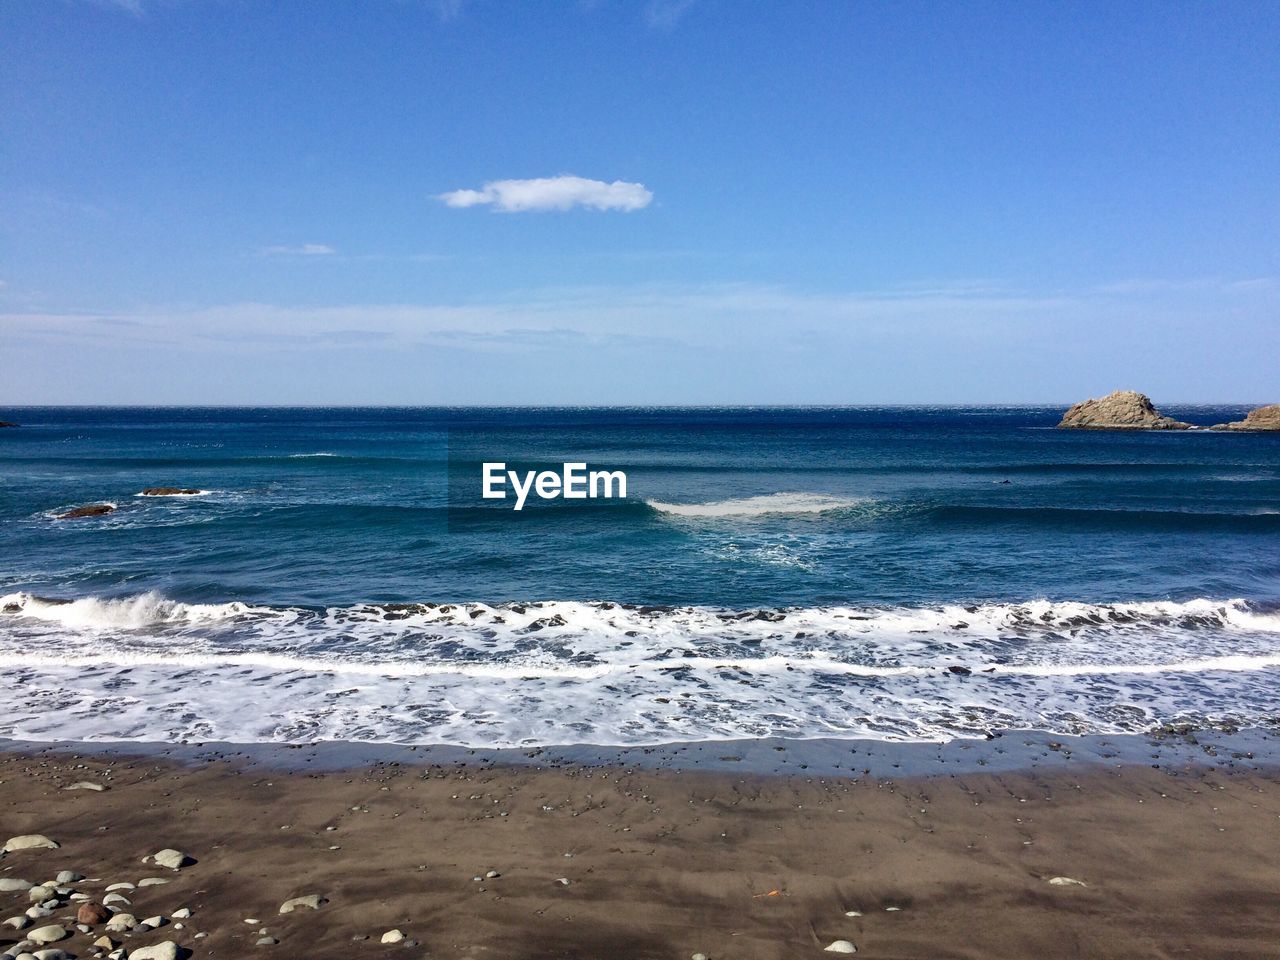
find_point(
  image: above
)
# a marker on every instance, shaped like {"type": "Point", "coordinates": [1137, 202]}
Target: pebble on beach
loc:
{"type": "Point", "coordinates": [173, 859]}
{"type": "Point", "coordinates": [314, 901]}
{"type": "Point", "coordinates": [165, 950]}
{"type": "Point", "coordinates": [30, 841]}
{"type": "Point", "coordinates": [92, 914]}
{"type": "Point", "coordinates": [841, 946]}
{"type": "Point", "coordinates": [50, 934]}
{"type": "Point", "coordinates": [393, 936]}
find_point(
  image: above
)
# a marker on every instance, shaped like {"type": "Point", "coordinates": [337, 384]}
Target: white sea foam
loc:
{"type": "Point", "coordinates": [96, 613]}
{"type": "Point", "coordinates": [773, 503]}
{"type": "Point", "coordinates": [473, 674]}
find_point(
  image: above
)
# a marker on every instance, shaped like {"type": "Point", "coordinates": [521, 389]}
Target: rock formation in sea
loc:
{"type": "Point", "coordinates": [1122, 410]}
{"type": "Point", "coordinates": [92, 510]}
{"type": "Point", "coordinates": [7, 423]}
{"type": "Point", "coordinates": [171, 492]}
{"type": "Point", "coordinates": [1261, 418]}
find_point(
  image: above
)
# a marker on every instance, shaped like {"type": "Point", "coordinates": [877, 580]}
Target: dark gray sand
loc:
{"type": "Point", "coordinates": [1020, 847]}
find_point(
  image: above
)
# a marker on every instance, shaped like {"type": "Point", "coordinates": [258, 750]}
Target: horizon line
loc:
{"type": "Point", "coordinates": [590, 406]}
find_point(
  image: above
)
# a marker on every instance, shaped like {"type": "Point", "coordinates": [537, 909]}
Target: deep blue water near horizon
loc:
{"type": "Point", "coordinates": [800, 571]}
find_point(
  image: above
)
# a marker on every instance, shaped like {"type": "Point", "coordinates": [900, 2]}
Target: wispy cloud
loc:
{"type": "Point", "coordinates": [707, 318]}
{"type": "Point", "coordinates": [299, 250]}
{"type": "Point", "coordinates": [128, 6]}
{"type": "Point", "coordinates": [552, 193]}
{"type": "Point", "coordinates": [665, 14]}
{"type": "Point", "coordinates": [446, 9]}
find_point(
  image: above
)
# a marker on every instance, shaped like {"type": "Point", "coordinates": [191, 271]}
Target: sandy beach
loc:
{"type": "Point", "coordinates": [1174, 859]}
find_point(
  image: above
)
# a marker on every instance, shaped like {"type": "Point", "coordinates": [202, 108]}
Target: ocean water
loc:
{"type": "Point", "coordinates": [891, 573]}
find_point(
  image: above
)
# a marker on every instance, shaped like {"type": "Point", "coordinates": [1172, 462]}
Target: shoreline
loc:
{"type": "Point", "coordinates": [1014, 751]}
{"type": "Point", "coordinates": [664, 857]}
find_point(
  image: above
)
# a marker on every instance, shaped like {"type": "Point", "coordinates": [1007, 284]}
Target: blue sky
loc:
{"type": "Point", "coordinates": [209, 201]}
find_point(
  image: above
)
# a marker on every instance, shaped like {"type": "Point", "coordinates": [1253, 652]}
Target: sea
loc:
{"type": "Point", "coordinates": [883, 573]}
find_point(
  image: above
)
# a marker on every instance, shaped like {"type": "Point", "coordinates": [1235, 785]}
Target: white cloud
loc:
{"type": "Point", "coordinates": [301, 250]}
{"type": "Point", "coordinates": [552, 193]}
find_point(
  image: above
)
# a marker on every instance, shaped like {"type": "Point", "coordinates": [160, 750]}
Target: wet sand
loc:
{"type": "Point", "coordinates": [1179, 860]}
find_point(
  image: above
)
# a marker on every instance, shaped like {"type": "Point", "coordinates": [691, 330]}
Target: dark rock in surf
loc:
{"type": "Point", "coordinates": [92, 510]}
{"type": "Point", "coordinates": [6, 423]}
{"type": "Point", "coordinates": [1122, 410]}
{"type": "Point", "coordinates": [171, 492]}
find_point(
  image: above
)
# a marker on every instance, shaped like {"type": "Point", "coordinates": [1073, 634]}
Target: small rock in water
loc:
{"type": "Point", "coordinates": [92, 510]}
{"type": "Point", "coordinates": [165, 950]}
{"type": "Point", "coordinates": [393, 936]}
{"type": "Point", "coordinates": [30, 841]}
{"type": "Point", "coordinates": [313, 900]}
{"type": "Point", "coordinates": [173, 859]}
{"type": "Point", "coordinates": [841, 946]}
{"type": "Point", "coordinates": [1066, 882]}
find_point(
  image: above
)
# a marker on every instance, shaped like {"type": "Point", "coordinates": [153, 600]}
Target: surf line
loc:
{"type": "Point", "coordinates": [573, 482]}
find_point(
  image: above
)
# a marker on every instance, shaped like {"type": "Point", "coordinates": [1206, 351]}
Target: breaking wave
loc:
{"type": "Point", "coordinates": [773, 503]}
{"type": "Point", "coordinates": [518, 674]}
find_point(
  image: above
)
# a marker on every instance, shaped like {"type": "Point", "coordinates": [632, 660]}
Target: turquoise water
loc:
{"type": "Point", "coordinates": [798, 572]}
